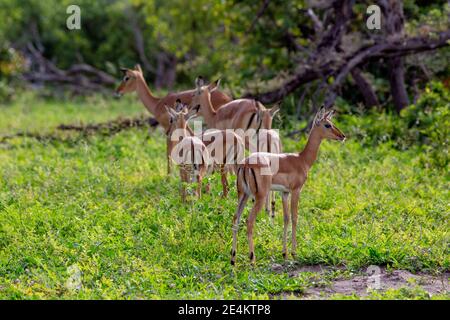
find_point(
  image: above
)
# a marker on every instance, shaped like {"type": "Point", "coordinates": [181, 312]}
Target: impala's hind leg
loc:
{"type": "Point", "coordinates": [259, 203]}
{"type": "Point", "coordinates": [236, 219]}
{"type": "Point", "coordinates": [224, 180]}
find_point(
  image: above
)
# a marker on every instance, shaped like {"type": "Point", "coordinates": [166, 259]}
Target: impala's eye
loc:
{"type": "Point", "coordinates": [328, 126]}
{"type": "Point", "coordinates": [126, 78]}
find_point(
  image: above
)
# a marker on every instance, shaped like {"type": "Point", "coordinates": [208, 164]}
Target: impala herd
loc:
{"type": "Point", "coordinates": [234, 126]}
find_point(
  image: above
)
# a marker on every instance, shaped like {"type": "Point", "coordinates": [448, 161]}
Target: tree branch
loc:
{"type": "Point", "coordinates": [401, 47]}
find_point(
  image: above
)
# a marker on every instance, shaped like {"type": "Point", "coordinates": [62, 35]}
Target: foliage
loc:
{"type": "Point", "coordinates": [209, 38]}
{"type": "Point", "coordinates": [425, 125]}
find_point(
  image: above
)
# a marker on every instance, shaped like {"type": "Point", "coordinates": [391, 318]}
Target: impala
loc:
{"type": "Point", "coordinates": [133, 80]}
{"type": "Point", "coordinates": [192, 156]}
{"type": "Point", "coordinates": [226, 148]}
{"type": "Point", "coordinates": [236, 114]}
{"type": "Point", "coordinates": [256, 178]}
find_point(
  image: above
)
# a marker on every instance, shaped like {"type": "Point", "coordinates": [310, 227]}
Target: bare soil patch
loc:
{"type": "Point", "coordinates": [374, 278]}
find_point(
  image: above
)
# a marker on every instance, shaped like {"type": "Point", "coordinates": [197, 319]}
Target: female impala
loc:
{"type": "Point", "coordinates": [133, 80]}
{"type": "Point", "coordinates": [226, 148]}
{"type": "Point", "coordinates": [256, 177]}
{"type": "Point", "coordinates": [237, 114]}
{"type": "Point", "coordinates": [192, 154]}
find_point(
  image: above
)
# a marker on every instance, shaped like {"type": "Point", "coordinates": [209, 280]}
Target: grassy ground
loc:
{"type": "Point", "coordinates": [105, 206]}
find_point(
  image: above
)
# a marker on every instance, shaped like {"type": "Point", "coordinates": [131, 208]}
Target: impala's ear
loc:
{"type": "Point", "coordinates": [138, 68]}
{"type": "Point", "coordinates": [199, 82]}
{"type": "Point", "coordinates": [329, 114]}
{"type": "Point", "coordinates": [319, 115]}
{"type": "Point", "coordinates": [194, 109]}
{"type": "Point", "coordinates": [273, 111]}
{"type": "Point", "coordinates": [214, 85]}
{"type": "Point", "coordinates": [171, 112]}
{"type": "Point", "coordinates": [192, 113]}
{"type": "Point", "coordinates": [178, 105]}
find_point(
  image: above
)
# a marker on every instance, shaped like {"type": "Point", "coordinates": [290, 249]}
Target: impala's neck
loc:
{"type": "Point", "coordinates": [185, 132]}
{"type": "Point", "coordinates": [309, 153]}
{"type": "Point", "coordinates": [209, 114]}
{"type": "Point", "coordinates": [148, 99]}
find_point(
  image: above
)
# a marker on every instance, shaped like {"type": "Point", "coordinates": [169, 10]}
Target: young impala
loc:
{"type": "Point", "coordinates": [256, 177]}
{"type": "Point", "coordinates": [191, 153]}
{"type": "Point", "coordinates": [133, 80]}
{"type": "Point", "coordinates": [226, 148]}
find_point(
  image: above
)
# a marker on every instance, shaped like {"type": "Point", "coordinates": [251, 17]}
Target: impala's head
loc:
{"type": "Point", "coordinates": [179, 115]}
{"type": "Point", "coordinates": [129, 80]}
{"type": "Point", "coordinates": [324, 127]}
{"type": "Point", "coordinates": [266, 116]}
{"type": "Point", "coordinates": [202, 92]}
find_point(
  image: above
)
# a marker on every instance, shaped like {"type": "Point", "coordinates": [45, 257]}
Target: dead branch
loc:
{"type": "Point", "coordinates": [108, 128]}
{"type": "Point", "coordinates": [79, 78]}
{"type": "Point", "coordinates": [113, 126]}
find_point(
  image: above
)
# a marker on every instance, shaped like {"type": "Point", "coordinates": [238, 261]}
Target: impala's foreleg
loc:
{"type": "Point", "coordinates": [273, 194]}
{"type": "Point", "coordinates": [284, 198]}
{"type": "Point", "coordinates": [184, 176]}
{"type": "Point", "coordinates": [294, 215]}
{"type": "Point", "coordinates": [168, 156]}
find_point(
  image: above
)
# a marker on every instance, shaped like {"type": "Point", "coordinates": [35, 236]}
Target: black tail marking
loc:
{"type": "Point", "coordinates": [254, 179]}
{"type": "Point", "coordinates": [250, 121]}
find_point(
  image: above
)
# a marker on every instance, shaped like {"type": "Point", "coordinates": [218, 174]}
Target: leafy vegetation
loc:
{"type": "Point", "coordinates": [423, 126]}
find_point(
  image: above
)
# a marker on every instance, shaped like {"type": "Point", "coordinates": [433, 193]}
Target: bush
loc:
{"type": "Point", "coordinates": [11, 65]}
{"type": "Point", "coordinates": [424, 125]}
{"type": "Point", "coordinates": [428, 124]}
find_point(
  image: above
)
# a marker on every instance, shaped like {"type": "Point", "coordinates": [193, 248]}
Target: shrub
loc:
{"type": "Point", "coordinates": [424, 125]}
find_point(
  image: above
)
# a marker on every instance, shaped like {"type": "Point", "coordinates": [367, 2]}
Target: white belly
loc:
{"type": "Point", "coordinates": [279, 187]}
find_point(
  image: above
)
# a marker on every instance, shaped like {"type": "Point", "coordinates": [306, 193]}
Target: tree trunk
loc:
{"type": "Point", "coordinates": [394, 26]}
{"type": "Point", "coordinates": [165, 70]}
{"type": "Point", "coordinates": [397, 83]}
{"type": "Point", "coordinates": [364, 86]}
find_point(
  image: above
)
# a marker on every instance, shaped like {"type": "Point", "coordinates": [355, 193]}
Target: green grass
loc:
{"type": "Point", "coordinates": [106, 206]}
